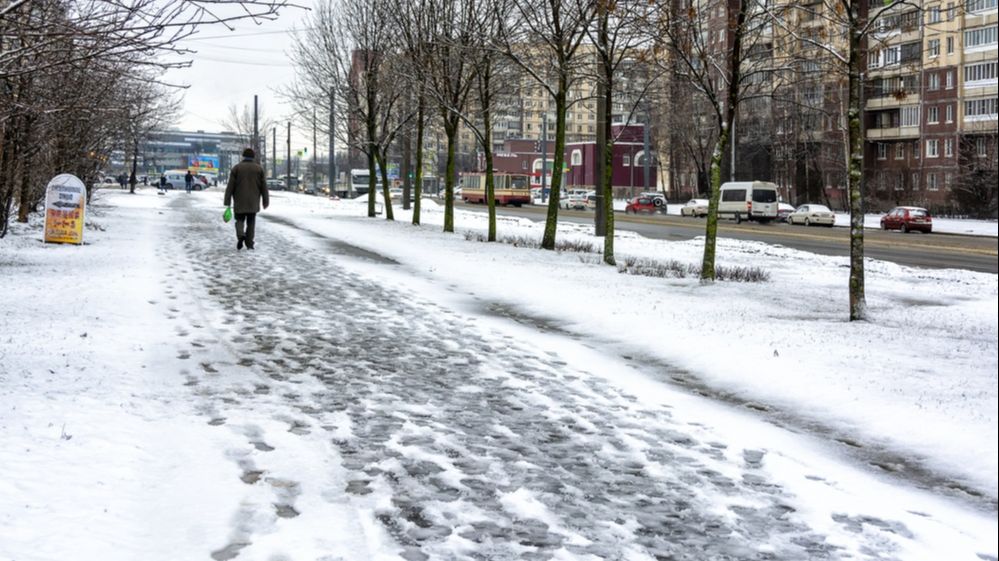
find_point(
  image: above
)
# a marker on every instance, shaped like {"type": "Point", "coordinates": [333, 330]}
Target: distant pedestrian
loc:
{"type": "Point", "coordinates": [188, 181]}
{"type": "Point", "coordinates": [122, 180]}
{"type": "Point", "coordinates": [246, 188]}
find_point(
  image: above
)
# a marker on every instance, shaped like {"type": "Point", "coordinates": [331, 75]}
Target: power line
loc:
{"type": "Point", "coordinates": [254, 34]}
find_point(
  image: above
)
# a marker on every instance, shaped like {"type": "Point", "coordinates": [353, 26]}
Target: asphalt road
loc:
{"type": "Point", "coordinates": [939, 251]}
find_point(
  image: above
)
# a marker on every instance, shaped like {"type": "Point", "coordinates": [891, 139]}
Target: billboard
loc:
{"type": "Point", "coordinates": [203, 163]}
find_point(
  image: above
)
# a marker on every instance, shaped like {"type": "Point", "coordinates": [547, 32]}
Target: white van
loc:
{"type": "Point", "coordinates": [748, 200]}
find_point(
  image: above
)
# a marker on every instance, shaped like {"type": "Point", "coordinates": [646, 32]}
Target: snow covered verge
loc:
{"type": "Point", "coordinates": [920, 376]}
{"type": "Point", "coordinates": [964, 226]}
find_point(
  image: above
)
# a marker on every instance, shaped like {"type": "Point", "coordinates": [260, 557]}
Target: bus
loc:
{"type": "Point", "coordinates": [509, 188]}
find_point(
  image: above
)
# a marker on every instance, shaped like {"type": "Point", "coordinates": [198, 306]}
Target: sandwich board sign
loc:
{"type": "Point", "coordinates": [65, 209]}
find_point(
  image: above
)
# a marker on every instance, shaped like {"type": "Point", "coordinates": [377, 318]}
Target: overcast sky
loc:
{"type": "Point", "coordinates": [231, 66]}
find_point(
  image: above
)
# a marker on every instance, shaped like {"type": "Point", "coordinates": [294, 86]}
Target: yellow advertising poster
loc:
{"type": "Point", "coordinates": [65, 209]}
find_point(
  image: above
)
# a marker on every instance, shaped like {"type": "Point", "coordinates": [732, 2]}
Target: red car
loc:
{"type": "Point", "coordinates": [908, 219]}
{"type": "Point", "coordinates": [643, 204]}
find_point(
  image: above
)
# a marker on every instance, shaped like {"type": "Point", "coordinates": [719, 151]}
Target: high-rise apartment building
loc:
{"type": "Point", "coordinates": [930, 110]}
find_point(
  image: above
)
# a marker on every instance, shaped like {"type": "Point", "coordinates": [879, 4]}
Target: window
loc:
{"type": "Point", "coordinates": [577, 158]}
{"type": "Point", "coordinates": [980, 109]}
{"type": "Point", "coordinates": [892, 55]}
{"type": "Point", "coordinates": [950, 113]}
{"type": "Point", "coordinates": [950, 45]}
{"type": "Point", "coordinates": [899, 151]}
{"type": "Point", "coordinates": [874, 58]}
{"type": "Point", "coordinates": [932, 81]}
{"type": "Point", "coordinates": [932, 148]}
{"type": "Point", "coordinates": [915, 149]}
{"type": "Point", "coordinates": [980, 74]}
{"type": "Point", "coordinates": [931, 182]}
{"type": "Point", "coordinates": [915, 181]}
{"type": "Point", "coordinates": [979, 5]}
{"type": "Point", "coordinates": [950, 12]}
{"type": "Point", "coordinates": [626, 160]}
{"type": "Point", "coordinates": [949, 148]}
{"type": "Point", "coordinates": [949, 79]}
{"type": "Point", "coordinates": [733, 195]}
{"type": "Point", "coordinates": [980, 146]}
{"type": "Point", "coordinates": [934, 15]}
{"type": "Point", "coordinates": [980, 37]}
{"type": "Point", "coordinates": [932, 115]}
{"type": "Point", "coordinates": [933, 48]}
{"type": "Point", "coordinates": [882, 151]}
{"type": "Point", "coordinates": [910, 116]}
{"type": "Point", "coordinates": [948, 180]}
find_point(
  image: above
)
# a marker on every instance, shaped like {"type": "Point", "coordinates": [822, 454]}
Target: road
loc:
{"type": "Point", "coordinates": [939, 251]}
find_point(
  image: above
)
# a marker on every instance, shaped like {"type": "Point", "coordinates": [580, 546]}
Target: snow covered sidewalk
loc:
{"type": "Point", "coordinates": [357, 390]}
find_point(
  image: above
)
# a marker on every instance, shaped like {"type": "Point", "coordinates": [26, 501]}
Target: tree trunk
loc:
{"type": "Point", "coordinates": [372, 181]}
{"type": "Point", "coordinates": [132, 179]}
{"type": "Point", "coordinates": [386, 193]}
{"type": "Point", "coordinates": [487, 147]}
{"type": "Point", "coordinates": [858, 303]}
{"type": "Point", "coordinates": [558, 160]}
{"type": "Point", "coordinates": [711, 226]}
{"type": "Point", "coordinates": [451, 131]}
{"type": "Point", "coordinates": [27, 160]}
{"type": "Point", "coordinates": [418, 176]}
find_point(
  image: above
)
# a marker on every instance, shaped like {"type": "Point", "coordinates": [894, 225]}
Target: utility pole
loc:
{"type": "Point", "coordinates": [645, 150]}
{"type": "Point", "coordinates": [332, 161]}
{"type": "Point", "coordinates": [544, 156]}
{"type": "Point", "coordinates": [274, 152]}
{"type": "Point", "coordinates": [256, 134]}
{"type": "Point", "coordinates": [287, 177]}
{"type": "Point", "coordinates": [315, 168]}
{"type": "Point", "coordinates": [599, 217]}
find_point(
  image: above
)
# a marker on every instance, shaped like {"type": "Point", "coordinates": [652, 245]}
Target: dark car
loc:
{"type": "Point", "coordinates": [645, 205]}
{"type": "Point", "coordinates": [908, 219]}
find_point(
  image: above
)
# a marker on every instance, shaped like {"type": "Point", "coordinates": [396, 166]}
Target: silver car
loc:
{"type": "Point", "coordinates": [809, 214]}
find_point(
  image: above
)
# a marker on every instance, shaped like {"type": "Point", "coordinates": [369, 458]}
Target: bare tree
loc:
{"type": "Point", "coordinates": [849, 25]}
{"type": "Point", "coordinates": [349, 49]}
{"type": "Point", "coordinates": [722, 72]}
{"type": "Point", "coordinates": [60, 61]}
{"type": "Point", "coordinates": [544, 38]}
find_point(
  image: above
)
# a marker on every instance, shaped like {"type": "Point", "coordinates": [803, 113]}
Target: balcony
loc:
{"type": "Point", "coordinates": [890, 101]}
{"type": "Point", "coordinates": [893, 133]}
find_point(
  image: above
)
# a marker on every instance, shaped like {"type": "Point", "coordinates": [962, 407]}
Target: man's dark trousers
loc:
{"type": "Point", "coordinates": [250, 219]}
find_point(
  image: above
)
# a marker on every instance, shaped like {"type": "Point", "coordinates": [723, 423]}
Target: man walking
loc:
{"type": "Point", "coordinates": [188, 181]}
{"type": "Point", "coordinates": [247, 186]}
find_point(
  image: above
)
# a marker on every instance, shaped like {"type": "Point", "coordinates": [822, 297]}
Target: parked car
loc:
{"type": "Point", "coordinates": [574, 199]}
{"type": "Point", "coordinates": [275, 185]}
{"type": "Point", "coordinates": [658, 199]}
{"type": "Point", "coordinates": [783, 211]}
{"type": "Point", "coordinates": [642, 205]}
{"type": "Point", "coordinates": [748, 200]}
{"type": "Point", "coordinates": [695, 208]}
{"type": "Point", "coordinates": [908, 219]}
{"type": "Point", "coordinates": [591, 201]}
{"type": "Point", "coordinates": [812, 214]}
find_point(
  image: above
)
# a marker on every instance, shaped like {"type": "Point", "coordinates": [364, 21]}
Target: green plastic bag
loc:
{"type": "Point", "coordinates": [227, 215]}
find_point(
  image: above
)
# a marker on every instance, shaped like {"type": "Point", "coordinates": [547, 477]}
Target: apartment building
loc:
{"type": "Point", "coordinates": [930, 111]}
